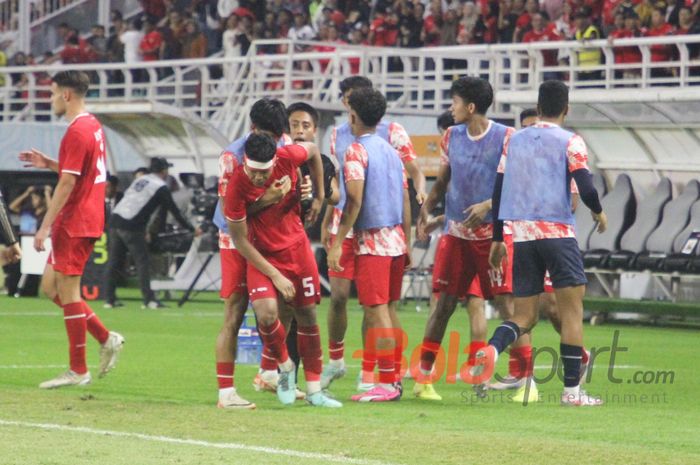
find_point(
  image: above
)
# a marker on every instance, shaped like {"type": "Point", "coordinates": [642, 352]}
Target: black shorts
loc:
{"type": "Point", "coordinates": [532, 259]}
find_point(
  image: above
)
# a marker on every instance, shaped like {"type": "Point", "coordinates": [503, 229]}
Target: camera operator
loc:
{"type": "Point", "coordinates": [128, 230]}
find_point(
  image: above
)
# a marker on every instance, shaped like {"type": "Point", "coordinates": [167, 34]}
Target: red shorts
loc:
{"type": "Point", "coordinates": [500, 283]}
{"type": "Point", "coordinates": [347, 260]}
{"type": "Point", "coordinates": [379, 279]}
{"type": "Point", "coordinates": [69, 255]}
{"type": "Point", "coordinates": [458, 261]}
{"type": "Point", "coordinates": [438, 261]}
{"type": "Point", "coordinates": [233, 273]}
{"type": "Point", "coordinates": [298, 264]}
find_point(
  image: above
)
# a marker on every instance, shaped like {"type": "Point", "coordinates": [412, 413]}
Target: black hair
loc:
{"type": "Point", "coordinates": [527, 113]}
{"type": "Point", "coordinates": [354, 83]}
{"type": "Point", "coordinates": [369, 104]}
{"type": "Point", "coordinates": [269, 115]}
{"type": "Point", "coordinates": [78, 81]}
{"type": "Point", "coordinates": [112, 179]}
{"type": "Point", "coordinates": [98, 26]}
{"type": "Point", "coordinates": [260, 147]}
{"type": "Point", "coordinates": [553, 98]}
{"type": "Point", "coordinates": [306, 108]}
{"type": "Point", "coordinates": [474, 90]}
{"type": "Point", "coordinates": [445, 120]}
{"type": "Point", "coordinates": [141, 170]}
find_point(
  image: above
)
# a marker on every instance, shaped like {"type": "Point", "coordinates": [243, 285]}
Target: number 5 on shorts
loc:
{"type": "Point", "coordinates": [309, 289]}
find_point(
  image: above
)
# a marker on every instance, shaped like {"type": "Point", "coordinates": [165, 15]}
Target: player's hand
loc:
{"type": "Point", "coordinates": [334, 254]}
{"type": "Point", "coordinates": [314, 211]}
{"type": "Point", "coordinates": [421, 197]}
{"type": "Point", "coordinates": [29, 190]}
{"type": "Point", "coordinates": [408, 263]}
{"type": "Point", "coordinates": [306, 188]}
{"type": "Point", "coordinates": [434, 223]}
{"type": "Point", "coordinates": [422, 225]}
{"type": "Point", "coordinates": [602, 220]}
{"type": "Point", "coordinates": [476, 214]}
{"type": "Point", "coordinates": [284, 286]}
{"type": "Point", "coordinates": [12, 254]}
{"type": "Point", "coordinates": [277, 191]}
{"type": "Point", "coordinates": [34, 159]}
{"type": "Point", "coordinates": [48, 190]}
{"type": "Point", "coordinates": [41, 236]}
{"type": "Point", "coordinates": [498, 256]}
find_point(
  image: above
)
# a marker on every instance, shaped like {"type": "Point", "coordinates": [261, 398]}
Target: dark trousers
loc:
{"type": "Point", "coordinates": [122, 241]}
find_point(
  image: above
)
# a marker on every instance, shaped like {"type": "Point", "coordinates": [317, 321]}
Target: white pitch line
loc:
{"type": "Point", "coordinates": [56, 313]}
{"type": "Point", "coordinates": [195, 442]}
{"type": "Point", "coordinates": [29, 367]}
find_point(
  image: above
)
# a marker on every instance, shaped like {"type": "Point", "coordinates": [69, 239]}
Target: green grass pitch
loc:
{"type": "Point", "coordinates": [158, 406]}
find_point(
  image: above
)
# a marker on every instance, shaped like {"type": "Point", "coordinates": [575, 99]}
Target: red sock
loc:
{"type": "Point", "coordinates": [274, 338]}
{"type": "Point", "coordinates": [94, 325]}
{"type": "Point", "coordinates": [336, 350]}
{"type": "Point", "coordinates": [474, 347]}
{"type": "Point", "coordinates": [520, 362]}
{"type": "Point", "coordinates": [224, 374]}
{"type": "Point", "coordinates": [385, 362]}
{"type": "Point", "coordinates": [398, 356]}
{"type": "Point", "coordinates": [267, 360]}
{"type": "Point", "coordinates": [369, 361]}
{"type": "Point", "coordinates": [584, 356]}
{"type": "Point", "coordinates": [76, 327]}
{"type": "Point", "coordinates": [309, 343]}
{"type": "Point", "coordinates": [428, 353]}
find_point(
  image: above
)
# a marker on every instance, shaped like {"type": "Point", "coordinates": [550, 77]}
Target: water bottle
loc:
{"type": "Point", "coordinates": [249, 343]}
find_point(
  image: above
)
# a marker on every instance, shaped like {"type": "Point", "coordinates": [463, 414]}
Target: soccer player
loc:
{"type": "Point", "coordinates": [75, 220]}
{"type": "Point", "coordinates": [267, 116]}
{"type": "Point", "coordinates": [280, 263]}
{"type": "Point", "coordinates": [471, 151]}
{"type": "Point", "coordinates": [533, 192]}
{"type": "Point", "coordinates": [378, 207]}
{"type": "Point", "coordinates": [12, 253]}
{"type": "Point", "coordinates": [341, 138]}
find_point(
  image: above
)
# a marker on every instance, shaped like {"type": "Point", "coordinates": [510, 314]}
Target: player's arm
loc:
{"type": "Point", "coordinates": [36, 159]}
{"type": "Point", "coordinates": [353, 203]}
{"type": "Point", "coordinates": [418, 179]}
{"type": "Point", "coordinates": [325, 235]}
{"type": "Point", "coordinates": [64, 188]}
{"type": "Point", "coordinates": [272, 195]}
{"type": "Point", "coordinates": [477, 212]}
{"type": "Point", "coordinates": [334, 198]}
{"type": "Point", "coordinates": [239, 234]}
{"type": "Point", "coordinates": [406, 225]}
{"type": "Point", "coordinates": [577, 158]}
{"type": "Point", "coordinates": [436, 193]}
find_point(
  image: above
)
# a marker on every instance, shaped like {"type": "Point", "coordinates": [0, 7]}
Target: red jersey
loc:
{"type": "Point", "coordinates": [150, 46]}
{"type": "Point", "coordinates": [660, 52]}
{"type": "Point", "coordinates": [82, 154]}
{"type": "Point", "coordinates": [279, 226]}
{"type": "Point", "coordinates": [626, 54]}
{"type": "Point", "coordinates": [545, 35]}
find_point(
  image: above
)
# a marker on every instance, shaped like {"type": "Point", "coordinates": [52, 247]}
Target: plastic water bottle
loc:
{"type": "Point", "coordinates": [249, 344]}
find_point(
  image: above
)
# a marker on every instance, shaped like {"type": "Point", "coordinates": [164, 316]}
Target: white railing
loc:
{"type": "Point", "coordinates": [416, 81]}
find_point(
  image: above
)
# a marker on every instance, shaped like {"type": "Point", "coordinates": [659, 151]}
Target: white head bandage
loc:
{"type": "Point", "coordinates": [257, 165]}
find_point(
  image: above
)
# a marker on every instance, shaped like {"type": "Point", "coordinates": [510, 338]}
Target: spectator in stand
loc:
{"type": "Point", "coordinates": [73, 53]}
{"type": "Point", "coordinates": [194, 43]}
{"type": "Point", "coordinates": [524, 22]}
{"type": "Point", "coordinates": [467, 24]}
{"type": "Point", "coordinates": [115, 47]}
{"type": "Point", "coordinates": [236, 42]}
{"type": "Point", "coordinates": [644, 10]}
{"type": "Point", "coordinates": [565, 24]}
{"type": "Point", "coordinates": [686, 22]}
{"type": "Point", "coordinates": [430, 35]}
{"type": "Point", "coordinates": [172, 34]}
{"type": "Point", "coordinates": [673, 8]}
{"type": "Point", "coordinates": [660, 53]}
{"type": "Point", "coordinates": [154, 9]}
{"type": "Point", "coordinates": [541, 32]}
{"type": "Point", "coordinates": [507, 20]}
{"type": "Point", "coordinates": [151, 42]}
{"type": "Point", "coordinates": [131, 41]}
{"type": "Point", "coordinates": [301, 29]}
{"type": "Point", "coordinates": [284, 23]}
{"type": "Point", "coordinates": [587, 57]}
{"type": "Point", "coordinates": [97, 44]}
{"type": "Point", "coordinates": [626, 55]}
{"type": "Point", "coordinates": [449, 26]}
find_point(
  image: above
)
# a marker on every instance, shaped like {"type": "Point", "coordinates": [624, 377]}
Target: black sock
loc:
{"type": "Point", "coordinates": [506, 334]}
{"type": "Point", "coordinates": [571, 359]}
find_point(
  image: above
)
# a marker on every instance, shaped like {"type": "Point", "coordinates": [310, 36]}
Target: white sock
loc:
{"type": "Point", "coordinates": [313, 387]}
{"type": "Point", "coordinates": [223, 393]}
{"type": "Point", "coordinates": [572, 391]}
{"type": "Point", "coordinates": [287, 366]}
{"type": "Point", "coordinates": [388, 387]}
{"type": "Point", "coordinates": [340, 363]}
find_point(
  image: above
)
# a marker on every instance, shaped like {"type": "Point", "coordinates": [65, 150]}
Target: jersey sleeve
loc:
{"type": "Point", "coordinates": [506, 141]}
{"type": "Point", "coordinates": [355, 163]}
{"type": "Point", "coordinates": [74, 149]}
{"type": "Point", "coordinates": [297, 154]}
{"type": "Point", "coordinates": [399, 139]}
{"type": "Point", "coordinates": [577, 154]}
{"type": "Point", "coordinates": [445, 148]}
{"type": "Point", "coordinates": [334, 156]}
{"type": "Point", "coordinates": [227, 163]}
{"type": "Point", "coordinates": [235, 204]}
